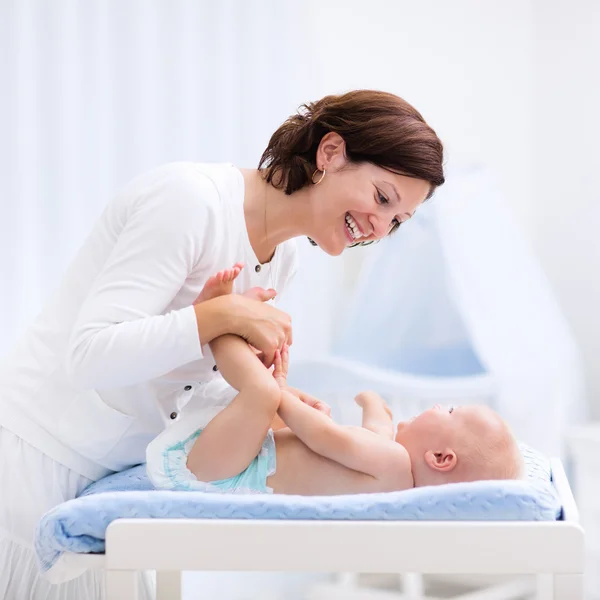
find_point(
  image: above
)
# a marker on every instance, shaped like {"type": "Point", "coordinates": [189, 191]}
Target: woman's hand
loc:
{"type": "Point", "coordinates": [263, 326]}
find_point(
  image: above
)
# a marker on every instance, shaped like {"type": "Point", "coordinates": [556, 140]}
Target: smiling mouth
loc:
{"type": "Point", "coordinates": [352, 228]}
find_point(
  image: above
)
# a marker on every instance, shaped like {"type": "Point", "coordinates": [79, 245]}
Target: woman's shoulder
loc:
{"type": "Point", "coordinates": [186, 190]}
{"type": "Point", "coordinates": [201, 180]}
{"type": "Point", "coordinates": [176, 204]}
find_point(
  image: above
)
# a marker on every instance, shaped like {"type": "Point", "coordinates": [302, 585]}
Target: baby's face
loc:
{"type": "Point", "coordinates": [443, 423]}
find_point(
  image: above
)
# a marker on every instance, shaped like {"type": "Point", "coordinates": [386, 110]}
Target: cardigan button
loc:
{"type": "Point", "coordinates": [187, 388]}
{"type": "Point", "coordinates": [257, 268]}
{"type": "Point", "coordinates": [215, 368]}
{"type": "Point", "coordinates": [173, 415]}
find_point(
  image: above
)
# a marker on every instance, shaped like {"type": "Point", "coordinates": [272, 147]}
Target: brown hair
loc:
{"type": "Point", "coordinates": [377, 127]}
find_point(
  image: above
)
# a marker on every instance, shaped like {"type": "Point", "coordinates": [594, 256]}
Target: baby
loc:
{"type": "Point", "coordinates": [273, 438]}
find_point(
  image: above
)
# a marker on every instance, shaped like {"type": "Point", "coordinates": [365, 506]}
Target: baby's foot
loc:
{"type": "Point", "coordinates": [220, 284]}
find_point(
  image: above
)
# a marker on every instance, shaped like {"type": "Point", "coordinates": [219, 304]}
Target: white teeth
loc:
{"type": "Point", "coordinates": [352, 227]}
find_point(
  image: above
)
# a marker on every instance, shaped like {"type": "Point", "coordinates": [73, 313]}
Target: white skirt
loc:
{"type": "Point", "coordinates": [31, 483]}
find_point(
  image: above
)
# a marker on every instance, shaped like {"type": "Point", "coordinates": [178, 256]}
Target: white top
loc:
{"type": "Point", "coordinates": [115, 354]}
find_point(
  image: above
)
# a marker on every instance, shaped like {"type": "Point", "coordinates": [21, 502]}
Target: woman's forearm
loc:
{"type": "Point", "coordinates": [101, 355]}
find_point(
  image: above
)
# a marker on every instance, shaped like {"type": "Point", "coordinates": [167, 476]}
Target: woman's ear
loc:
{"type": "Point", "coordinates": [441, 461]}
{"type": "Point", "coordinates": [331, 153]}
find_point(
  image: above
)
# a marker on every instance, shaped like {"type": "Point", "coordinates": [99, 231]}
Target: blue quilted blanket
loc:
{"type": "Point", "coordinates": [79, 525]}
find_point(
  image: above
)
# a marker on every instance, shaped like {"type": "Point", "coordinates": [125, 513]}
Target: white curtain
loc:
{"type": "Point", "coordinates": [95, 92]}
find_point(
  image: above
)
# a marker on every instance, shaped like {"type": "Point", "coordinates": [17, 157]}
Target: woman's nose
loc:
{"type": "Point", "coordinates": [380, 225]}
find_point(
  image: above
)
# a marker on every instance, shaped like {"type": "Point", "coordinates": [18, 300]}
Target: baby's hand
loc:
{"type": "Point", "coordinates": [364, 398]}
{"type": "Point", "coordinates": [280, 369]}
{"type": "Point", "coordinates": [317, 405]}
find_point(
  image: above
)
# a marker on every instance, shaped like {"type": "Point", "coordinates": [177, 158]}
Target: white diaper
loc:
{"type": "Point", "coordinates": [204, 405]}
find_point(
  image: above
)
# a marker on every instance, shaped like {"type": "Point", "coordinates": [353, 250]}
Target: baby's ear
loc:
{"type": "Point", "coordinates": [442, 461]}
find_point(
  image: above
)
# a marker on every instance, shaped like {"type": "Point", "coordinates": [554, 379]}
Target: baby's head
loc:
{"type": "Point", "coordinates": [465, 443]}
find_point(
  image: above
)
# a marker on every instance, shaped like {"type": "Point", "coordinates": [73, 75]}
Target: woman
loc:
{"type": "Point", "coordinates": [122, 346]}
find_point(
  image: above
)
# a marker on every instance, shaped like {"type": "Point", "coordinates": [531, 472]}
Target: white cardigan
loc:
{"type": "Point", "coordinates": [115, 354]}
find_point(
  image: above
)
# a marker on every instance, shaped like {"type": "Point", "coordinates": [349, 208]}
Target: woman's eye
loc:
{"type": "Point", "coordinates": [382, 199]}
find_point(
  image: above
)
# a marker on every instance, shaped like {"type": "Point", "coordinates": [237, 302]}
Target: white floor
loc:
{"type": "Point", "coordinates": [249, 586]}
{"type": "Point", "coordinates": [296, 586]}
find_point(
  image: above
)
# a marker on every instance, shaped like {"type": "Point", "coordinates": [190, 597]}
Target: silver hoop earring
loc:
{"type": "Point", "coordinates": [320, 179]}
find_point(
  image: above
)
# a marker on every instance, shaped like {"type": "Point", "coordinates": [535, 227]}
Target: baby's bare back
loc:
{"type": "Point", "coordinates": [302, 471]}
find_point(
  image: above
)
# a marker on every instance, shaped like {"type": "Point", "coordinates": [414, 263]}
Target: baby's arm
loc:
{"type": "Point", "coordinates": [377, 416]}
{"type": "Point", "coordinates": [353, 447]}
{"type": "Point", "coordinates": [234, 437]}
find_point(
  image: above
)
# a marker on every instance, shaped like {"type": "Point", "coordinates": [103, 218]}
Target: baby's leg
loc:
{"type": "Point", "coordinates": [377, 416]}
{"type": "Point", "coordinates": [234, 437]}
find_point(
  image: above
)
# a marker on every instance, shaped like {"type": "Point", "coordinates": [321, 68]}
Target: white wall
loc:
{"type": "Point", "coordinates": [566, 138]}
{"type": "Point", "coordinates": [514, 84]}
{"type": "Point", "coordinates": [466, 66]}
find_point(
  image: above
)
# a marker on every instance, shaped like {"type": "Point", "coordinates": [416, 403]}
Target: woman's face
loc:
{"type": "Point", "coordinates": [358, 202]}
